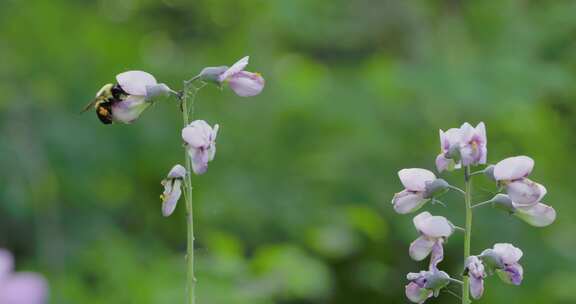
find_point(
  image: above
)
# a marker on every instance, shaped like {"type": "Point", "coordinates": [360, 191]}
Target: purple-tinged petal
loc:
{"type": "Point", "coordinates": [539, 215]}
{"type": "Point", "coordinates": [415, 179]}
{"type": "Point", "coordinates": [128, 110]}
{"type": "Point", "coordinates": [450, 139]}
{"type": "Point", "coordinates": [513, 168]}
{"type": "Point", "coordinates": [417, 294]}
{"type": "Point", "coordinates": [171, 195]}
{"type": "Point", "coordinates": [198, 134]}
{"type": "Point", "coordinates": [443, 163]}
{"type": "Point", "coordinates": [200, 158]}
{"type": "Point", "coordinates": [508, 253]}
{"type": "Point", "coordinates": [476, 272]}
{"type": "Point", "coordinates": [24, 288]}
{"type": "Point", "coordinates": [157, 90]}
{"type": "Point", "coordinates": [421, 248]}
{"type": "Point", "coordinates": [135, 82]}
{"type": "Point", "coordinates": [237, 67]}
{"type": "Point", "coordinates": [525, 192]}
{"type": "Point", "coordinates": [6, 263]}
{"type": "Point", "coordinates": [437, 254]}
{"type": "Point", "coordinates": [407, 202]}
{"type": "Point", "coordinates": [178, 171]}
{"type": "Point", "coordinates": [246, 84]}
{"type": "Point", "coordinates": [511, 274]}
{"type": "Point", "coordinates": [433, 226]}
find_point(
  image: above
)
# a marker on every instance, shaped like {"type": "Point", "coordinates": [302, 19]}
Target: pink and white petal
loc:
{"type": "Point", "coordinates": [171, 196]}
{"type": "Point", "coordinates": [199, 158]}
{"type": "Point", "coordinates": [433, 226]}
{"type": "Point", "coordinates": [539, 215]}
{"type": "Point", "coordinates": [407, 202]}
{"type": "Point", "coordinates": [197, 134]}
{"type": "Point", "coordinates": [524, 192]}
{"type": "Point", "coordinates": [246, 84]}
{"type": "Point", "coordinates": [480, 132]}
{"type": "Point", "coordinates": [437, 254]}
{"type": "Point", "coordinates": [135, 82]}
{"type": "Point", "coordinates": [178, 171]}
{"type": "Point", "coordinates": [513, 168]}
{"type": "Point", "coordinates": [421, 248]}
{"type": "Point", "coordinates": [415, 179]}
{"type": "Point", "coordinates": [466, 133]}
{"type": "Point", "coordinates": [24, 288]}
{"type": "Point", "coordinates": [237, 67]}
{"type": "Point", "coordinates": [508, 253]}
{"type": "Point", "coordinates": [443, 163]}
{"type": "Point", "coordinates": [476, 287]}
{"type": "Point", "coordinates": [417, 294]}
{"type": "Point", "coordinates": [128, 110]}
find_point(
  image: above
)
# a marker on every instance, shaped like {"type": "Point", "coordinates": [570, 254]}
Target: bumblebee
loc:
{"type": "Point", "coordinates": [108, 95]}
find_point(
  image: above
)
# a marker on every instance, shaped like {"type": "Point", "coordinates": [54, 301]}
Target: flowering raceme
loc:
{"type": "Point", "coordinates": [200, 141]}
{"type": "Point", "coordinates": [465, 147]}
{"type": "Point", "coordinates": [20, 287]}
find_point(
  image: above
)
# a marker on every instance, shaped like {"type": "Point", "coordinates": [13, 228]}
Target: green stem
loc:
{"type": "Point", "coordinates": [191, 279]}
{"type": "Point", "coordinates": [467, 232]}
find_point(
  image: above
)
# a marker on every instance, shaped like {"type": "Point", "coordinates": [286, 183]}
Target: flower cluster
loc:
{"type": "Point", "coordinates": [465, 147]}
{"type": "Point", "coordinates": [20, 287]}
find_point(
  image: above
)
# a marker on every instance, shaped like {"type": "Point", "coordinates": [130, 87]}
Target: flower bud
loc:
{"type": "Point", "coordinates": [489, 172]}
{"type": "Point", "coordinates": [212, 74]}
{"type": "Point", "coordinates": [435, 188]}
{"type": "Point", "coordinates": [503, 202]}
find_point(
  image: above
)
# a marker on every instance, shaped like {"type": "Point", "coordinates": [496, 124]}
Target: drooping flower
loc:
{"type": "Point", "coordinates": [20, 287]}
{"type": "Point", "coordinates": [417, 190]}
{"type": "Point", "coordinates": [512, 173]}
{"type": "Point", "coordinates": [434, 230]}
{"type": "Point", "coordinates": [172, 189]}
{"type": "Point", "coordinates": [425, 284]}
{"type": "Point", "coordinates": [503, 259]}
{"type": "Point", "coordinates": [538, 215]}
{"type": "Point", "coordinates": [243, 83]}
{"type": "Point", "coordinates": [476, 272]}
{"type": "Point", "coordinates": [463, 146]}
{"type": "Point", "coordinates": [200, 141]}
{"type": "Point", "coordinates": [125, 100]}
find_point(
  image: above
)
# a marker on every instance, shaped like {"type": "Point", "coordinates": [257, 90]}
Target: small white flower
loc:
{"type": "Point", "coordinates": [200, 141]}
{"type": "Point", "coordinates": [172, 189]}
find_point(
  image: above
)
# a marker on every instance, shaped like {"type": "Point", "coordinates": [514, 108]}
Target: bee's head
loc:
{"type": "Point", "coordinates": [105, 92]}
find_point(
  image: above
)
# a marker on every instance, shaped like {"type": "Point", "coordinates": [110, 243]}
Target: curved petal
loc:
{"type": "Point", "coordinates": [450, 139]}
{"type": "Point", "coordinates": [421, 248]}
{"type": "Point", "coordinates": [437, 254]}
{"type": "Point", "coordinates": [417, 294]}
{"type": "Point", "coordinates": [443, 163]}
{"type": "Point", "coordinates": [6, 263]}
{"type": "Point", "coordinates": [246, 84]}
{"type": "Point", "coordinates": [24, 288]}
{"type": "Point", "coordinates": [415, 179]}
{"type": "Point", "coordinates": [508, 253]}
{"type": "Point", "coordinates": [407, 202]}
{"type": "Point", "coordinates": [476, 287]}
{"type": "Point", "coordinates": [135, 82]}
{"type": "Point", "coordinates": [178, 171]}
{"type": "Point", "coordinates": [171, 195]}
{"type": "Point", "coordinates": [433, 226]}
{"type": "Point", "coordinates": [237, 67]}
{"type": "Point", "coordinates": [525, 192]}
{"type": "Point", "coordinates": [539, 215]}
{"type": "Point", "coordinates": [513, 168]}
{"type": "Point", "coordinates": [199, 158]}
{"type": "Point", "coordinates": [128, 110]}
{"type": "Point", "coordinates": [466, 132]}
{"type": "Point", "coordinates": [198, 134]}
{"type": "Point", "coordinates": [511, 274]}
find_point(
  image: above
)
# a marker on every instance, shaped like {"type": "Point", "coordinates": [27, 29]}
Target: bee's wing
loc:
{"type": "Point", "coordinates": [90, 105]}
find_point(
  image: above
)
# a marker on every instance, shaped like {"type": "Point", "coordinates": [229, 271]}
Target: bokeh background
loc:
{"type": "Point", "coordinates": [296, 206]}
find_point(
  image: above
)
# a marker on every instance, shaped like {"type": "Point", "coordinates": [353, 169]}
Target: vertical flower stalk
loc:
{"type": "Point", "coordinates": [189, 90]}
{"type": "Point", "coordinates": [467, 230]}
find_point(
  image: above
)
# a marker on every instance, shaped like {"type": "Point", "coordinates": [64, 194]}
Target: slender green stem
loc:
{"type": "Point", "coordinates": [482, 204]}
{"type": "Point", "coordinates": [457, 189]}
{"type": "Point", "coordinates": [456, 281]}
{"type": "Point", "coordinates": [468, 231]}
{"type": "Point", "coordinates": [191, 279]}
{"type": "Point", "coordinates": [477, 172]}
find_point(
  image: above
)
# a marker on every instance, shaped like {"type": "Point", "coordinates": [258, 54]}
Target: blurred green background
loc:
{"type": "Point", "coordinates": [296, 206]}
